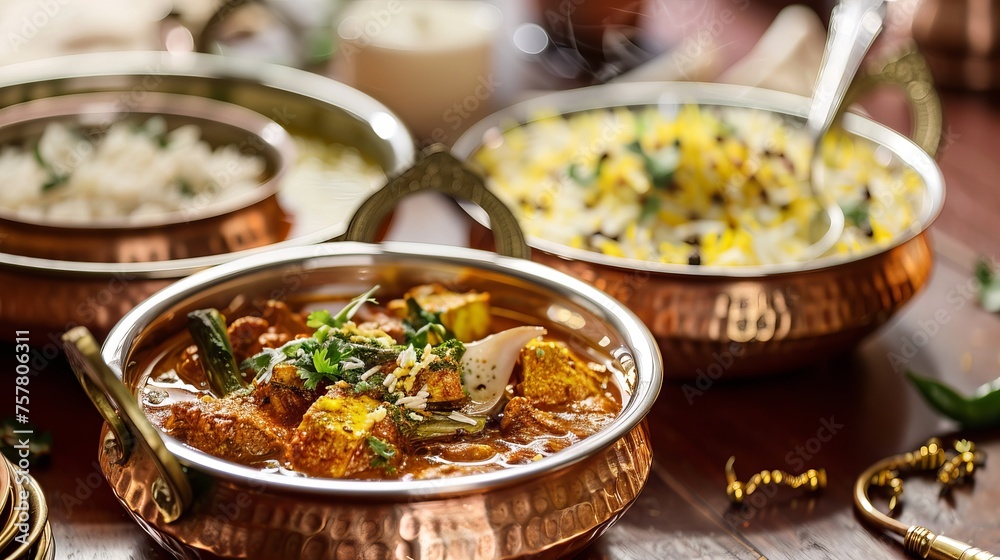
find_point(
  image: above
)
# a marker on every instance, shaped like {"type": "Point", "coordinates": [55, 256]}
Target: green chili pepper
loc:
{"type": "Point", "coordinates": [208, 329]}
{"type": "Point", "coordinates": [980, 410]}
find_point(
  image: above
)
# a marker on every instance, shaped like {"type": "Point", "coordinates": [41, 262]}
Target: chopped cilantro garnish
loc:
{"type": "Point", "coordinates": [55, 178]}
{"type": "Point", "coordinates": [650, 208]}
{"type": "Point", "coordinates": [363, 386]}
{"type": "Point", "coordinates": [317, 319]}
{"type": "Point", "coordinates": [422, 327]}
{"type": "Point", "coordinates": [857, 215]}
{"type": "Point", "coordinates": [185, 188]}
{"type": "Point", "coordinates": [322, 363]}
{"type": "Point", "coordinates": [384, 452]}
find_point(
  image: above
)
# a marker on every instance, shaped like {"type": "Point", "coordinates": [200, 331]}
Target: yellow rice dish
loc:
{"type": "Point", "coordinates": [701, 186]}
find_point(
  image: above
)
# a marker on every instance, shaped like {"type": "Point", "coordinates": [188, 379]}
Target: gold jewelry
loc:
{"type": "Point", "coordinates": [931, 457]}
{"type": "Point", "coordinates": [812, 480]}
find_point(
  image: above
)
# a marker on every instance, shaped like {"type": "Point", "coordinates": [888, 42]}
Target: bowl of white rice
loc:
{"type": "Point", "coordinates": [690, 203]}
{"type": "Point", "coordinates": [92, 178]}
{"type": "Point", "coordinates": [120, 195]}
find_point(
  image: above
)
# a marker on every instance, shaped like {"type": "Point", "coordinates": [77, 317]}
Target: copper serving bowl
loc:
{"type": "Point", "coordinates": [190, 501]}
{"type": "Point", "coordinates": [45, 294]}
{"type": "Point", "coordinates": [736, 321]}
{"type": "Point", "coordinates": [201, 231]}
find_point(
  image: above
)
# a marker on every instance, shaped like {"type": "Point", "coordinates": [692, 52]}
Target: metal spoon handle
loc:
{"type": "Point", "coordinates": [854, 24]}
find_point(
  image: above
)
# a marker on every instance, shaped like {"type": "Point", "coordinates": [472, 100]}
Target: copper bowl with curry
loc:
{"type": "Point", "coordinates": [680, 200]}
{"type": "Point", "coordinates": [346, 428]}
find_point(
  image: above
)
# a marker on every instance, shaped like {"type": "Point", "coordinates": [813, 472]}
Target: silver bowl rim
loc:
{"type": "Point", "coordinates": [636, 94]}
{"type": "Point", "coordinates": [196, 65]}
{"type": "Point", "coordinates": [93, 104]}
{"type": "Point", "coordinates": [639, 340]}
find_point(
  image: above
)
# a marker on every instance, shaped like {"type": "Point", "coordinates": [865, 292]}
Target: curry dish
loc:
{"type": "Point", "coordinates": [375, 392]}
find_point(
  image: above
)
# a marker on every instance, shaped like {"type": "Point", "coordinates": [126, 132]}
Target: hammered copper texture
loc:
{"type": "Point", "coordinates": [255, 225]}
{"type": "Point", "coordinates": [710, 326]}
{"type": "Point", "coordinates": [544, 518]}
{"type": "Point", "coordinates": [53, 303]}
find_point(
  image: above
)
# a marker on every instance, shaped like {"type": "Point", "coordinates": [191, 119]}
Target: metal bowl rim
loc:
{"type": "Point", "coordinates": [634, 94]}
{"type": "Point", "coordinates": [206, 66]}
{"type": "Point", "coordinates": [640, 341]}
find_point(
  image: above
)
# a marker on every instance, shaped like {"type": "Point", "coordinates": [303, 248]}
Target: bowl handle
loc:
{"type": "Point", "coordinates": [909, 72]}
{"type": "Point", "coordinates": [438, 170]}
{"type": "Point", "coordinates": [171, 491]}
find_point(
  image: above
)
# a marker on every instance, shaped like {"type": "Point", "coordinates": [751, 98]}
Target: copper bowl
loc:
{"type": "Point", "coordinates": [48, 295]}
{"type": "Point", "coordinates": [195, 232]}
{"type": "Point", "coordinates": [546, 509]}
{"type": "Point", "coordinates": [739, 321]}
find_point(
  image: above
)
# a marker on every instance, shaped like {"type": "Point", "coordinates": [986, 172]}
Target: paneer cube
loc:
{"type": "Point", "coordinates": [467, 315]}
{"type": "Point", "coordinates": [439, 372]}
{"type": "Point", "coordinates": [552, 375]}
{"type": "Point", "coordinates": [335, 437]}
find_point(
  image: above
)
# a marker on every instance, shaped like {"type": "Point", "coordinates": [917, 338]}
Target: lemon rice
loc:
{"type": "Point", "coordinates": [695, 185]}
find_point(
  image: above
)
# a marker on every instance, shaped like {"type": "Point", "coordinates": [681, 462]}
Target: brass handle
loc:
{"type": "Point", "coordinates": [910, 73]}
{"type": "Point", "coordinates": [171, 491]}
{"type": "Point", "coordinates": [922, 543]}
{"type": "Point", "coordinates": [437, 170]}
{"type": "Point", "coordinates": [203, 37]}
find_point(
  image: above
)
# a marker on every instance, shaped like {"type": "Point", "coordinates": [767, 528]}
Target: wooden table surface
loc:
{"type": "Point", "coordinates": [859, 399]}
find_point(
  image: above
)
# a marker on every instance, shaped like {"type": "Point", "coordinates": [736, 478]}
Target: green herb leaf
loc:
{"type": "Point", "coordinates": [857, 215]}
{"type": "Point", "coordinates": [381, 448]}
{"type": "Point", "coordinates": [384, 452]}
{"type": "Point", "coordinates": [292, 347]}
{"type": "Point", "coordinates": [431, 333]}
{"type": "Point", "coordinates": [263, 362]}
{"type": "Point", "coordinates": [661, 167]}
{"type": "Point", "coordinates": [581, 176]}
{"type": "Point", "coordinates": [55, 179]}
{"type": "Point", "coordinates": [979, 411]}
{"type": "Point", "coordinates": [322, 363]}
{"type": "Point", "coordinates": [317, 319]}
{"type": "Point", "coordinates": [185, 188]}
{"type": "Point", "coordinates": [650, 207]}
{"type": "Point", "coordinates": [422, 327]}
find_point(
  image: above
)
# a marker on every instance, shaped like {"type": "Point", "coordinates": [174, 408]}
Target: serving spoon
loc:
{"type": "Point", "coordinates": [487, 365]}
{"type": "Point", "coordinates": [854, 24]}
